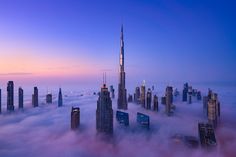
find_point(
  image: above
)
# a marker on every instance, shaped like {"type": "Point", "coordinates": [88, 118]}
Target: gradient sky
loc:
{"type": "Point", "coordinates": [64, 40]}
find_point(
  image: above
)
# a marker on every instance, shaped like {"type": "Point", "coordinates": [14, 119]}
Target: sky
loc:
{"type": "Point", "coordinates": [61, 41]}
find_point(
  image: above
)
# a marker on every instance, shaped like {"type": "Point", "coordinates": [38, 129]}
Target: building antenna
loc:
{"type": "Point", "coordinates": [105, 78]}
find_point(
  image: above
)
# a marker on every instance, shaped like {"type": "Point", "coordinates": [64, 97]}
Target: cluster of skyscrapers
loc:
{"type": "Point", "coordinates": [146, 99]}
{"type": "Point", "coordinates": [189, 92]}
{"type": "Point", "coordinates": [35, 97]}
{"type": "Point", "coordinates": [104, 111]}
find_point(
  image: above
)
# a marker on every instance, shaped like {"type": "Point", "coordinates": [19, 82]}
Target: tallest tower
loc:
{"type": "Point", "coordinates": [122, 98]}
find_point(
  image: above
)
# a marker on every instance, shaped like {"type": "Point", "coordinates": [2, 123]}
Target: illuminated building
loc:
{"type": "Point", "coordinates": [75, 117]}
{"type": "Point", "coordinates": [143, 95]}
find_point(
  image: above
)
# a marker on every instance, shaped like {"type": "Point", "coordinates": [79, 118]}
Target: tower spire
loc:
{"type": "Point", "coordinates": [122, 49]}
{"type": "Point", "coordinates": [122, 96]}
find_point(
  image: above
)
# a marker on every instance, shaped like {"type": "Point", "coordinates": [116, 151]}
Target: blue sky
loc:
{"type": "Point", "coordinates": [164, 40]}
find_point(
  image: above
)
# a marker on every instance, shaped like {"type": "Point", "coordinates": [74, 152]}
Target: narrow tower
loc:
{"type": "Point", "coordinates": [21, 97]}
{"type": "Point", "coordinates": [35, 101]}
{"type": "Point", "coordinates": [122, 96]}
{"type": "Point", "coordinates": [10, 96]}
{"type": "Point", "coordinates": [60, 102]}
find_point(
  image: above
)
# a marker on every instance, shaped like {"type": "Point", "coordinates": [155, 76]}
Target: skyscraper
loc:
{"type": "Point", "coordinates": [155, 103]}
{"type": "Point", "coordinates": [10, 96]}
{"type": "Point", "coordinates": [112, 90]}
{"type": "Point", "coordinates": [35, 101]}
{"type": "Point", "coordinates": [143, 120]}
{"type": "Point", "coordinates": [21, 97]}
{"type": "Point", "coordinates": [206, 135]}
{"type": "Point", "coordinates": [75, 117]}
{"type": "Point", "coordinates": [60, 101]}
{"type": "Point", "coordinates": [169, 99]}
{"type": "Point", "coordinates": [213, 110]}
{"type": "Point", "coordinates": [130, 98]}
{"type": "Point", "coordinates": [149, 99]}
{"type": "Point", "coordinates": [190, 92]}
{"type": "Point", "coordinates": [137, 95]}
{"type": "Point", "coordinates": [104, 112]}
{"type": "Point", "coordinates": [122, 96]}
{"type": "Point", "coordinates": [49, 98]}
{"type": "Point", "coordinates": [143, 95]}
{"type": "Point", "coordinates": [122, 117]}
{"type": "Point", "coordinates": [185, 92]}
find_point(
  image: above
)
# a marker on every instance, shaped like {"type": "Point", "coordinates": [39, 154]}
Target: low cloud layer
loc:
{"type": "Point", "coordinates": [15, 74]}
{"type": "Point", "coordinates": [45, 131]}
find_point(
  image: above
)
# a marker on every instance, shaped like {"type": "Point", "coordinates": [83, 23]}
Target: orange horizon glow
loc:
{"type": "Point", "coordinates": [21, 61]}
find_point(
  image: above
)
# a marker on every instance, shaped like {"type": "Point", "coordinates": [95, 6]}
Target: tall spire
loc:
{"type": "Point", "coordinates": [122, 96]}
{"type": "Point", "coordinates": [121, 50]}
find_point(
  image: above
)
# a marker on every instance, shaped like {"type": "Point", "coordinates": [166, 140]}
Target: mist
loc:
{"type": "Point", "coordinates": [45, 130]}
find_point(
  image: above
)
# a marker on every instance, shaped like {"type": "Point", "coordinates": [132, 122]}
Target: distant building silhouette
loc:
{"type": "Point", "coordinates": [199, 95]}
{"type": "Point", "coordinates": [112, 90]}
{"type": "Point", "coordinates": [122, 95]}
{"type": "Point", "coordinates": [21, 97]}
{"type": "Point", "coordinates": [185, 92]}
{"type": "Point", "coordinates": [104, 112]}
{"type": "Point", "coordinates": [10, 96]}
{"type": "Point", "coordinates": [143, 95]}
{"type": "Point", "coordinates": [190, 93]}
{"type": "Point", "coordinates": [149, 99]}
{"type": "Point", "coordinates": [163, 100]}
{"type": "Point", "coordinates": [35, 101]}
{"type": "Point", "coordinates": [155, 103]}
{"type": "Point", "coordinates": [169, 99]}
{"type": "Point", "coordinates": [49, 98]}
{"type": "Point", "coordinates": [137, 95]}
{"type": "Point", "coordinates": [60, 101]}
{"type": "Point", "coordinates": [176, 92]}
{"type": "Point", "coordinates": [130, 98]}
{"type": "Point", "coordinates": [75, 117]}
{"type": "Point", "coordinates": [205, 102]}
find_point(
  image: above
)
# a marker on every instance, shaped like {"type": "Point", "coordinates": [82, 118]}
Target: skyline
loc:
{"type": "Point", "coordinates": [120, 78]}
{"type": "Point", "coordinates": [164, 41]}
